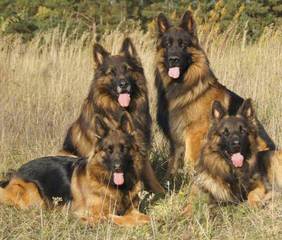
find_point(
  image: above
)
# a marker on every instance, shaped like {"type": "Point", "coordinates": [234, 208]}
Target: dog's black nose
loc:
{"type": "Point", "coordinates": [123, 83]}
{"type": "Point", "coordinates": [117, 166]}
{"type": "Point", "coordinates": [235, 142]}
{"type": "Point", "coordinates": [173, 61]}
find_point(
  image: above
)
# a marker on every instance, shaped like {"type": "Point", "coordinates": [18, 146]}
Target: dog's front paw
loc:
{"type": "Point", "coordinates": [131, 219]}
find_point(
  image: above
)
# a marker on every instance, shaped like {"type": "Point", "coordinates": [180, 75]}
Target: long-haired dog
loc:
{"type": "Point", "coordinates": [231, 169]}
{"type": "Point", "coordinates": [103, 186]}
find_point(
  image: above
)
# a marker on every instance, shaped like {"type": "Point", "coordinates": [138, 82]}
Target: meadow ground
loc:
{"type": "Point", "coordinates": [42, 86]}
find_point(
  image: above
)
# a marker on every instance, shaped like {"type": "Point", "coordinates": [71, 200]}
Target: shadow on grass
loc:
{"type": "Point", "coordinates": [159, 162]}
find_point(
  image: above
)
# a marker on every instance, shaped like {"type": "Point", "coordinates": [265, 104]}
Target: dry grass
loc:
{"type": "Point", "coordinates": [42, 88]}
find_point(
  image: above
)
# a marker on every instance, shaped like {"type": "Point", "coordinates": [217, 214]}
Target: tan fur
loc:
{"type": "Point", "coordinates": [257, 195]}
{"type": "Point", "coordinates": [216, 186]}
{"type": "Point", "coordinates": [274, 170]}
{"type": "Point", "coordinates": [21, 194]}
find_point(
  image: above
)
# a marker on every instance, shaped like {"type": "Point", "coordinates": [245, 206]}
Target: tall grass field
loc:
{"type": "Point", "coordinates": [42, 86]}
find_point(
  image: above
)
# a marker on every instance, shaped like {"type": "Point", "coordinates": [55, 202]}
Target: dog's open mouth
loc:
{"type": "Point", "coordinates": [118, 178]}
{"type": "Point", "coordinates": [124, 95]}
{"type": "Point", "coordinates": [124, 99]}
{"type": "Point", "coordinates": [174, 72]}
{"type": "Point", "coordinates": [237, 159]}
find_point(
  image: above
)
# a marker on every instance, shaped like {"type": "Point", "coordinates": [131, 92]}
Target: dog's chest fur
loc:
{"type": "Point", "coordinates": [225, 183]}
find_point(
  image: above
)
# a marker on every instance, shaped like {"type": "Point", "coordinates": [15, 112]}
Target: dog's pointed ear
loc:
{"type": "Point", "coordinates": [218, 111]}
{"type": "Point", "coordinates": [246, 110]}
{"type": "Point", "coordinates": [99, 54]}
{"type": "Point", "coordinates": [188, 23]}
{"type": "Point", "coordinates": [101, 128]}
{"type": "Point", "coordinates": [128, 49]}
{"type": "Point", "coordinates": [163, 23]}
{"type": "Point", "coordinates": [126, 123]}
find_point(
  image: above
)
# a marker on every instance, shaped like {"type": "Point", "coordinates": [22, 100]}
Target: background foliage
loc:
{"type": "Point", "coordinates": [28, 17]}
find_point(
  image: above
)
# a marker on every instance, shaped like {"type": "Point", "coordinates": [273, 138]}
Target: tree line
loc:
{"type": "Point", "coordinates": [28, 17]}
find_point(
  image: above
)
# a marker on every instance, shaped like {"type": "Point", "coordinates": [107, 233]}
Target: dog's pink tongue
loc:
{"type": "Point", "coordinates": [124, 99]}
{"type": "Point", "coordinates": [237, 159]}
{"type": "Point", "coordinates": [174, 72]}
{"type": "Point", "coordinates": [118, 178]}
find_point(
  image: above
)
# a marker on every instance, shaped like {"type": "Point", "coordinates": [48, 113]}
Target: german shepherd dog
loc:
{"type": "Point", "coordinates": [119, 85]}
{"type": "Point", "coordinates": [103, 186]}
{"type": "Point", "coordinates": [186, 89]}
{"type": "Point", "coordinates": [228, 168]}
{"type": "Point", "coordinates": [231, 169]}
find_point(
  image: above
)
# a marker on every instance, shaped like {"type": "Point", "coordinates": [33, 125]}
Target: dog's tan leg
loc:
{"type": "Point", "coordinates": [132, 218]}
{"type": "Point", "coordinates": [92, 219]}
{"type": "Point", "coordinates": [256, 196]}
{"type": "Point", "coordinates": [175, 161]}
{"type": "Point", "coordinates": [193, 144]}
{"type": "Point", "coordinates": [89, 215]}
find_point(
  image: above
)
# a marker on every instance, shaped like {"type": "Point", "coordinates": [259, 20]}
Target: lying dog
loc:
{"type": "Point", "coordinates": [103, 186]}
{"type": "Point", "coordinates": [228, 169]}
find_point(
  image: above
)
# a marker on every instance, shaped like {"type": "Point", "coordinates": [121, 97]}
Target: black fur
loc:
{"type": "Point", "coordinates": [235, 102]}
{"type": "Point", "coordinates": [4, 183]}
{"type": "Point", "coordinates": [162, 103]}
{"type": "Point", "coordinates": [264, 159]}
{"type": "Point", "coordinates": [52, 176]}
{"type": "Point", "coordinates": [68, 144]}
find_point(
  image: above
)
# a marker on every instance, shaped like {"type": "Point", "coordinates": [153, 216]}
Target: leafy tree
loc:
{"type": "Point", "coordinates": [28, 17]}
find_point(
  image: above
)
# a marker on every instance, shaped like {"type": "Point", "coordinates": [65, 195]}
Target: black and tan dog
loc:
{"type": "Point", "coordinates": [119, 85]}
{"type": "Point", "coordinates": [231, 169]}
{"type": "Point", "coordinates": [186, 89]}
{"type": "Point", "coordinates": [103, 186]}
{"type": "Point", "coordinates": [228, 168]}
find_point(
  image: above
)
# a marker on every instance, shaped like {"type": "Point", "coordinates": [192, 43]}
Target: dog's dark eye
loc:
{"type": "Point", "coordinates": [226, 132]}
{"type": "Point", "coordinates": [181, 43]}
{"type": "Point", "coordinates": [126, 67]}
{"type": "Point", "coordinates": [242, 130]}
{"type": "Point", "coordinates": [168, 43]}
{"type": "Point", "coordinates": [121, 148]}
{"type": "Point", "coordinates": [111, 70]}
{"type": "Point", "coordinates": [110, 149]}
